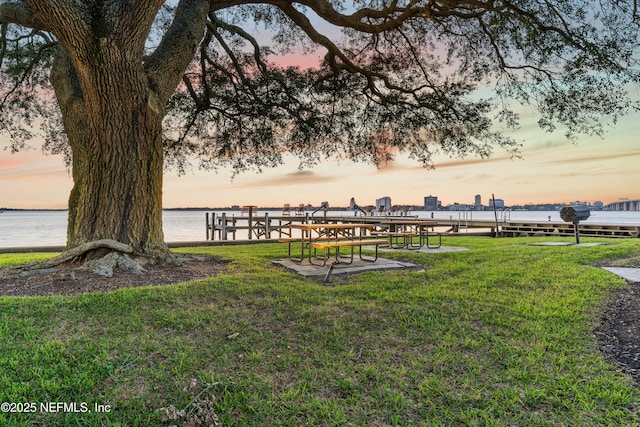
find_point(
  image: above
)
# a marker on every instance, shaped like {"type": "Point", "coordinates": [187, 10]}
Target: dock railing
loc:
{"type": "Point", "coordinates": [266, 226]}
{"type": "Point", "coordinates": [221, 226]}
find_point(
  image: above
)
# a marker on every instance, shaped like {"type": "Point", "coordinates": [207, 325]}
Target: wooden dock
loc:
{"type": "Point", "coordinates": [267, 226]}
{"type": "Point", "coordinates": [520, 228]}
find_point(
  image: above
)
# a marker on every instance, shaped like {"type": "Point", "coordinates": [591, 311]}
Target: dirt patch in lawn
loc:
{"type": "Point", "coordinates": [69, 279]}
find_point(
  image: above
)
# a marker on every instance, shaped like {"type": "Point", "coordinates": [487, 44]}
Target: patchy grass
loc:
{"type": "Point", "coordinates": [23, 258]}
{"type": "Point", "coordinates": [498, 335]}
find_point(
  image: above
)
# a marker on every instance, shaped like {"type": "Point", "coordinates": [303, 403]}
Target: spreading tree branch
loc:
{"type": "Point", "coordinates": [165, 66]}
{"type": "Point", "coordinates": [19, 12]}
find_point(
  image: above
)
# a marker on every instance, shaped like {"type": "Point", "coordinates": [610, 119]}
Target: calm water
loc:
{"type": "Point", "coordinates": [48, 228]}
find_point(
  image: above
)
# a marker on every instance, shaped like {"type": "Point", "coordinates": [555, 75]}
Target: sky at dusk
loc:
{"type": "Point", "coordinates": [551, 169]}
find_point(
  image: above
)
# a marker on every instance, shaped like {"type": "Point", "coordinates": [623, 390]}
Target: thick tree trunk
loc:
{"type": "Point", "coordinates": [114, 126]}
{"type": "Point", "coordinates": [117, 190]}
{"type": "Point", "coordinates": [112, 102]}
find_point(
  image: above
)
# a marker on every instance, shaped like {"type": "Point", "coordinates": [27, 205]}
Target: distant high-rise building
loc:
{"type": "Point", "coordinates": [478, 202]}
{"type": "Point", "coordinates": [384, 202]}
{"type": "Point", "coordinates": [499, 204]}
{"type": "Point", "coordinates": [431, 203]}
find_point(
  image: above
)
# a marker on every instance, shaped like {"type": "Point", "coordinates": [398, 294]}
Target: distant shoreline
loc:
{"type": "Point", "coordinates": [31, 210]}
{"type": "Point", "coordinates": [550, 207]}
{"type": "Point", "coordinates": [273, 208]}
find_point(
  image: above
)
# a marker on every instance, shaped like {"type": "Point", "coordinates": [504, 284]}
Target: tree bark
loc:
{"type": "Point", "coordinates": [112, 105]}
{"type": "Point", "coordinates": [117, 174]}
{"type": "Point", "coordinates": [113, 121]}
{"type": "Point", "coordinates": [116, 141]}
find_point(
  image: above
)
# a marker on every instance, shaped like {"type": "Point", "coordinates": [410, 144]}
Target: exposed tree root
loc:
{"type": "Point", "coordinates": [103, 257]}
{"type": "Point", "coordinates": [80, 251]}
{"type": "Point", "coordinates": [107, 264]}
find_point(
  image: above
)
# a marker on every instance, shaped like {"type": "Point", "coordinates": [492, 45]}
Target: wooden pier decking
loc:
{"type": "Point", "coordinates": [519, 228]}
{"type": "Point", "coordinates": [268, 226]}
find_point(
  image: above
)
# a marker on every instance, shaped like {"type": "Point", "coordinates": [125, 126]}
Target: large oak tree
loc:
{"type": "Point", "coordinates": [140, 85]}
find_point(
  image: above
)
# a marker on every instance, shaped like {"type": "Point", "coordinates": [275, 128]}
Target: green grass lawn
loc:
{"type": "Point", "coordinates": [500, 335]}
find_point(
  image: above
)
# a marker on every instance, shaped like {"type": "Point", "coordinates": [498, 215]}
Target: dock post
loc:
{"type": "Point", "coordinates": [250, 221]}
{"type": "Point", "coordinates": [233, 224]}
{"type": "Point", "coordinates": [207, 223]}
{"type": "Point", "coordinates": [223, 226]}
{"type": "Point", "coordinates": [267, 226]}
{"type": "Point", "coordinates": [213, 226]}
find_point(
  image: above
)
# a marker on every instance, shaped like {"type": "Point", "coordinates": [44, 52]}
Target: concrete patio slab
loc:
{"type": "Point", "coordinates": [627, 273]}
{"type": "Point", "coordinates": [306, 269]}
{"type": "Point", "coordinates": [551, 244]}
{"type": "Point", "coordinates": [584, 245]}
{"type": "Point", "coordinates": [424, 249]}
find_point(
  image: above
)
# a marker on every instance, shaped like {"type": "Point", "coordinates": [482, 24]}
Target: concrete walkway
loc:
{"type": "Point", "coordinates": [627, 273]}
{"type": "Point", "coordinates": [424, 249]}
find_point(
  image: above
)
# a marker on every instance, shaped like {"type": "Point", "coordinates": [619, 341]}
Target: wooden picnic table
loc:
{"type": "Point", "coordinates": [331, 230]}
{"type": "Point", "coordinates": [409, 222]}
{"type": "Point", "coordinates": [327, 236]}
{"type": "Point", "coordinates": [403, 232]}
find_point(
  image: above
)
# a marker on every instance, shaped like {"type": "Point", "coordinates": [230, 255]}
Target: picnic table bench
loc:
{"type": "Point", "coordinates": [304, 242]}
{"type": "Point", "coordinates": [328, 237]}
{"type": "Point", "coordinates": [326, 246]}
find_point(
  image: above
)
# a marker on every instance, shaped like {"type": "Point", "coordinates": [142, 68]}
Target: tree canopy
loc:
{"type": "Point", "coordinates": [395, 75]}
{"type": "Point", "coordinates": [125, 88]}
